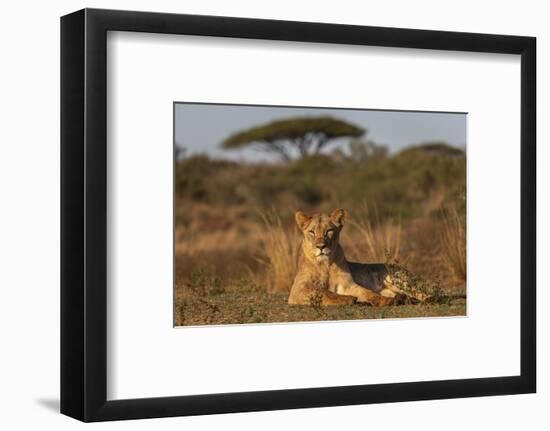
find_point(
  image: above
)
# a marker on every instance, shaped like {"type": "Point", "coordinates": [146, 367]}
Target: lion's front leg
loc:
{"type": "Point", "coordinates": [304, 292]}
{"type": "Point", "coordinates": [331, 298]}
{"type": "Point", "coordinates": [324, 297]}
{"type": "Point", "coordinates": [349, 287]}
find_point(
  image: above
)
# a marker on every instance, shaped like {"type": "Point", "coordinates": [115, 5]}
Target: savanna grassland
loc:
{"type": "Point", "coordinates": [237, 244]}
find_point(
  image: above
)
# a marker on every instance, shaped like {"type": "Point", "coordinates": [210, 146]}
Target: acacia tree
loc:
{"type": "Point", "coordinates": [304, 135]}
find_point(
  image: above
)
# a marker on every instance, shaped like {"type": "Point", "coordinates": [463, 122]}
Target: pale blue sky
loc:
{"type": "Point", "coordinates": [200, 128]}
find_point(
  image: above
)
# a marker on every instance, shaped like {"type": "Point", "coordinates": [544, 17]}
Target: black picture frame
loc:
{"type": "Point", "coordinates": [84, 214]}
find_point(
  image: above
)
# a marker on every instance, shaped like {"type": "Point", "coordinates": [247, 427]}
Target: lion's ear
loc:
{"type": "Point", "coordinates": [302, 219]}
{"type": "Point", "coordinates": [339, 217]}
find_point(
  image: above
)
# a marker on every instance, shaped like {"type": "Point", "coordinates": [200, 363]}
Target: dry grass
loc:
{"type": "Point", "coordinates": [380, 240]}
{"type": "Point", "coordinates": [210, 229]}
{"type": "Point", "coordinates": [280, 248]}
{"type": "Point", "coordinates": [193, 244]}
{"type": "Point", "coordinates": [453, 239]}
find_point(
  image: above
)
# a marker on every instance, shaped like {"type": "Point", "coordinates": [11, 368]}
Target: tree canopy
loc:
{"type": "Point", "coordinates": [440, 148]}
{"type": "Point", "coordinates": [306, 135]}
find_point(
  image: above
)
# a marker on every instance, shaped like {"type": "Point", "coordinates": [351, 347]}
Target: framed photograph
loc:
{"type": "Point", "coordinates": [261, 215]}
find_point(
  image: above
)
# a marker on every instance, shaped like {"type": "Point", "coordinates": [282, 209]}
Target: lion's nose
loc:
{"type": "Point", "coordinates": [321, 246]}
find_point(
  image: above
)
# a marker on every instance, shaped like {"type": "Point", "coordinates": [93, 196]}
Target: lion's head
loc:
{"type": "Point", "coordinates": [321, 234]}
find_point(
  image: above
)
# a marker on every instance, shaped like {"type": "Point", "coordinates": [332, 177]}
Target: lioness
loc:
{"type": "Point", "coordinates": [325, 274]}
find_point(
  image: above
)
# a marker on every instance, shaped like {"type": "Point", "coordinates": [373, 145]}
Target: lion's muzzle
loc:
{"type": "Point", "coordinates": [321, 251]}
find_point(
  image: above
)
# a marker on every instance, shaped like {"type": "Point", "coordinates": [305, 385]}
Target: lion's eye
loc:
{"type": "Point", "coordinates": [330, 233]}
{"type": "Point", "coordinates": [311, 233]}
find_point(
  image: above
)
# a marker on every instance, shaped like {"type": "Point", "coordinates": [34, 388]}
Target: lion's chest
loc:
{"type": "Point", "coordinates": [322, 278]}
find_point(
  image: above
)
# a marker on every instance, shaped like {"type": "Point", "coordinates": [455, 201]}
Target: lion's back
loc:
{"type": "Point", "coordinates": [369, 275]}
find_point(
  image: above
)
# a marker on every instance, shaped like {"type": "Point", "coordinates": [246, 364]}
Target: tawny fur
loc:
{"type": "Point", "coordinates": [325, 274]}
